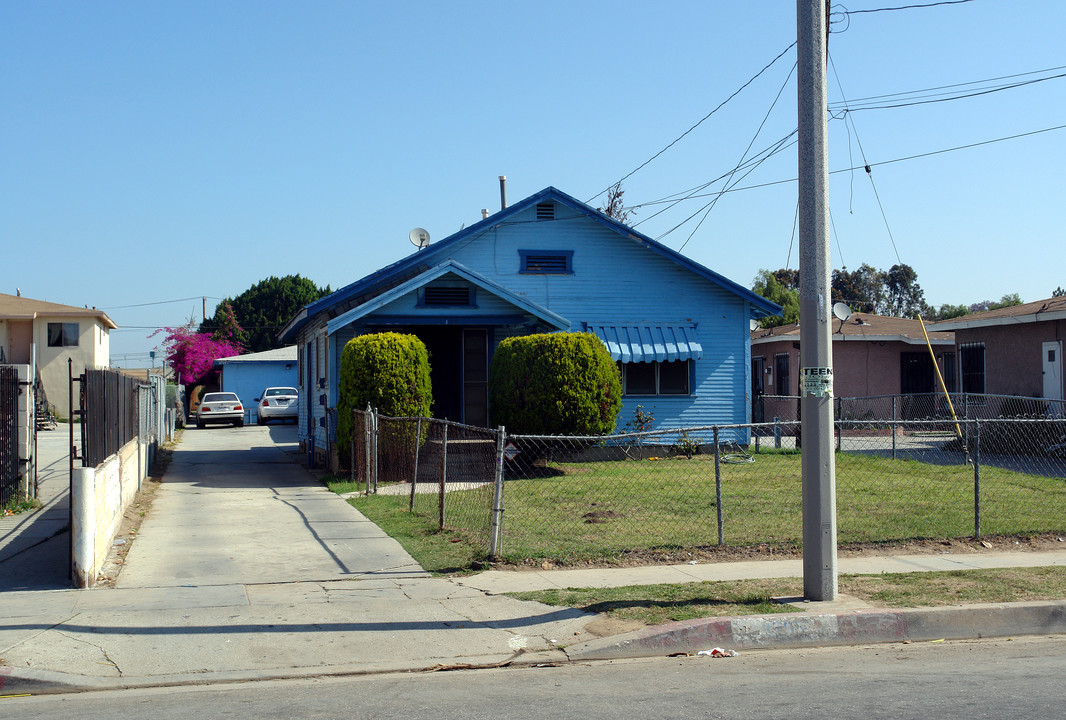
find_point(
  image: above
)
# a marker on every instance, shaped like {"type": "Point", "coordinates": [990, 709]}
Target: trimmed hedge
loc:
{"type": "Point", "coordinates": [557, 384]}
{"type": "Point", "coordinates": [390, 372]}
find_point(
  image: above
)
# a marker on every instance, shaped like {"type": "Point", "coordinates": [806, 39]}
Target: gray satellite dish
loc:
{"type": "Point", "coordinates": [753, 324]}
{"type": "Point", "coordinates": [841, 311]}
{"type": "Point", "coordinates": [419, 237]}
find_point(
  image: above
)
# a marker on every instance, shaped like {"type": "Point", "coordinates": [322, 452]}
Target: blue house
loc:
{"type": "Point", "coordinates": [679, 331]}
{"type": "Point", "coordinates": [248, 375]}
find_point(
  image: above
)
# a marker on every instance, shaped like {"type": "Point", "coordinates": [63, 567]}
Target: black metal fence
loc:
{"type": "Point", "coordinates": [109, 413]}
{"type": "Point", "coordinates": [9, 450]}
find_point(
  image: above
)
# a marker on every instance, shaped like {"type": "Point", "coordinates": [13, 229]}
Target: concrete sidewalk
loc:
{"type": "Point", "coordinates": [35, 547]}
{"type": "Point", "coordinates": [246, 568]}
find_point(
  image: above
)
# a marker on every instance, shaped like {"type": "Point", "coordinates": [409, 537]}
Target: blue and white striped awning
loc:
{"type": "Point", "coordinates": [648, 343]}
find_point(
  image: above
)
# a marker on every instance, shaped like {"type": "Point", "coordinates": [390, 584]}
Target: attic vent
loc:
{"type": "Point", "coordinates": [442, 296]}
{"type": "Point", "coordinates": [545, 211]}
{"type": "Point", "coordinates": [550, 262]}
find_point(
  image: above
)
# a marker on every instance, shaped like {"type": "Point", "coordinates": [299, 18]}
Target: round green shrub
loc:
{"type": "Point", "coordinates": [555, 384]}
{"type": "Point", "coordinates": [390, 372]}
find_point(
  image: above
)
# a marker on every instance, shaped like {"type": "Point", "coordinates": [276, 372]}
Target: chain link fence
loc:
{"type": "Point", "coordinates": [666, 493]}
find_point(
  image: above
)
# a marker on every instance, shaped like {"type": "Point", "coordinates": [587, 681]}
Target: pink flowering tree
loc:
{"type": "Point", "coordinates": [193, 354]}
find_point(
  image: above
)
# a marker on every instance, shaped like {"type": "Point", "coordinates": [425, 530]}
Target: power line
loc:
{"type": "Point", "coordinates": [845, 11]}
{"type": "Point", "coordinates": [976, 93]}
{"type": "Point", "coordinates": [702, 120]}
{"type": "Point", "coordinates": [161, 302]}
{"type": "Point", "coordinates": [878, 98]}
{"type": "Point", "coordinates": [874, 164]}
{"type": "Point", "coordinates": [758, 131]}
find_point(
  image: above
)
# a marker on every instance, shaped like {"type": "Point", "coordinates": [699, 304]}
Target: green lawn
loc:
{"type": "Point", "coordinates": [597, 511]}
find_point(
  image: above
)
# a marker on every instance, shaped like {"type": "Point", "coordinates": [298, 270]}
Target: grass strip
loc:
{"type": "Point", "coordinates": [656, 604]}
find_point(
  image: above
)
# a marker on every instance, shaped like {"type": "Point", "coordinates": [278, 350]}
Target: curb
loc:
{"type": "Point", "coordinates": [807, 629]}
{"type": "Point", "coordinates": [15, 681]}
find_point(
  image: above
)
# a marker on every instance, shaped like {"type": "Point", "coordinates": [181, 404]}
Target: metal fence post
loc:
{"type": "Point", "coordinates": [366, 447]}
{"type": "Point", "coordinates": [351, 451]}
{"type": "Point", "coordinates": [977, 479]}
{"type": "Point", "coordinates": [718, 487]}
{"type": "Point", "coordinates": [376, 450]}
{"type": "Point", "coordinates": [497, 494]}
{"type": "Point", "coordinates": [777, 433]}
{"type": "Point", "coordinates": [443, 473]}
{"type": "Point", "coordinates": [836, 425]}
{"type": "Point", "coordinates": [893, 427]}
{"type": "Point", "coordinates": [414, 478]}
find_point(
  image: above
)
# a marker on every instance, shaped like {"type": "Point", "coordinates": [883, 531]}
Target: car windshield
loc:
{"type": "Point", "coordinates": [220, 397]}
{"type": "Point", "coordinates": [280, 391]}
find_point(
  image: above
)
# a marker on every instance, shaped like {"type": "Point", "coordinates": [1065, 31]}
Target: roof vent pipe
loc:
{"type": "Point", "coordinates": [484, 213]}
{"type": "Point", "coordinates": [503, 192]}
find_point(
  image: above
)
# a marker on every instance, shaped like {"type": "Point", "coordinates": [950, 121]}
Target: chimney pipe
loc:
{"type": "Point", "coordinates": [484, 213]}
{"type": "Point", "coordinates": [503, 192]}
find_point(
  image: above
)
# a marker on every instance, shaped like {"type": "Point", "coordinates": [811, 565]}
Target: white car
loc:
{"type": "Point", "coordinates": [220, 407]}
{"type": "Point", "coordinates": [277, 403]}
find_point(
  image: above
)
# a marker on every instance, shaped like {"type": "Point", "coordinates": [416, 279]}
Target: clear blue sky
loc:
{"type": "Point", "coordinates": [157, 151]}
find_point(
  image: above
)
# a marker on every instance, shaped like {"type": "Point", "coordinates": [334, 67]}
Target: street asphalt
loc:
{"type": "Point", "coordinates": [247, 568]}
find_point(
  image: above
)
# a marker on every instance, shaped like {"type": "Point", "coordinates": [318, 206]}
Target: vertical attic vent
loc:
{"type": "Point", "coordinates": [545, 211]}
{"type": "Point", "coordinates": [443, 296]}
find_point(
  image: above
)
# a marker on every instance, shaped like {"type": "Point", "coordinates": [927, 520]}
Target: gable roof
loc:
{"type": "Point", "coordinates": [862, 327]}
{"type": "Point", "coordinates": [286, 354]}
{"type": "Point", "coordinates": [1038, 311]}
{"type": "Point", "coordinates": [420, 261]}
{"type": "Point", "coordinates": [17, 307]}
{"type": "Point", "coordinates": [450, 267]}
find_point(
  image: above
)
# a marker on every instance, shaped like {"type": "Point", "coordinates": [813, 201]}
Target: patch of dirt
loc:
{"type": "Point", "coordinates": [765, 551]}
{"type": "Point", "coordinates": [604, 626]}
{"type": "Point", "coordinates": [601, 516]}
{"type": "Point", "coordinates": [131, 521]}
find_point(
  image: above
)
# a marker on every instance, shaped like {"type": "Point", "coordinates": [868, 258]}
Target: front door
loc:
{"type": "Point", "coordinates": [1052, 370]}
{"type": "Point", "coordinates": [476, 377]}
{"type": "Point", "coordinates": [757, 388]}
{"type": "Point", "coordinates": [458, 371]}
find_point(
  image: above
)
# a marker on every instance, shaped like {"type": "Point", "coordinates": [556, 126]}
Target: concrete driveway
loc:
{"type": "Point", "coordinates": [236, 507]}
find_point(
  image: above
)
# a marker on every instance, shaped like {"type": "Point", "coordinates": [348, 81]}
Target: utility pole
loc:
{"type": "Point", "coordinates": [816, 353]}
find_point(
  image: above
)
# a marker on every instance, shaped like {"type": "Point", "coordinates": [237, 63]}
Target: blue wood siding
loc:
{"type": "Point", "coordinates": [615, 279]}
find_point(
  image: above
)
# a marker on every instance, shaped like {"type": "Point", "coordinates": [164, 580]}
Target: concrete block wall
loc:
{"type": "Point", "coordinates": [99, 497]}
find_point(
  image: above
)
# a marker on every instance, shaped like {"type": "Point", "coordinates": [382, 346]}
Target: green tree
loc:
{"type": "Point", "coordinates": [1058, 292]}
{"type": "Point", "coordinates": [904, 297]}
{"type": "Point", "coordinates": [768, 284]}
{"type": "Point", "coordinates": [263, 309]}
{"type": "Point", "coordinates": [1008, 300]}
{"type": "Point", "coordinates": [948, 311]}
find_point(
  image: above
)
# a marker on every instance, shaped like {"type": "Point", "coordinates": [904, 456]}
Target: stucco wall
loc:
{"type": "Point", "coordinates": [1013, 358]}
{"type": "Point", "coordinates": [92, 351]}
{"type": "Point", "coordinates": [860, 368]}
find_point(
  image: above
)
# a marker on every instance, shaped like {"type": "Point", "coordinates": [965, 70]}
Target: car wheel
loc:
{"type": "Point", "coordinates": [239, 423]}
{"type": "Point", "coordinates": [200, 424]}
{"type": "Point", "coordinates": [260, 421]}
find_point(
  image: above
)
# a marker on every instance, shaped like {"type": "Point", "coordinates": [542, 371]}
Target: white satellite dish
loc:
{"type": "Point", "coordinates": [841, 311]}
{"type": "Point", "coordinates": [419, 237]}
{"type": "Point", "coordinates": [753, 324]}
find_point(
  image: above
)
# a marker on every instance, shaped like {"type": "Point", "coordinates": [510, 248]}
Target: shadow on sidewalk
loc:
{"type": "Point", "coordinates": [35, 554]}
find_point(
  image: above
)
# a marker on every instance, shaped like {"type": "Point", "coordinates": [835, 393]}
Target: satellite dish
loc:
{"type": "Point", "coordinates": [419, 237]}
{"type": "Point", "coordinates": [753, 324]}
{"type": "Point", "coordinates": [841, 311]}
